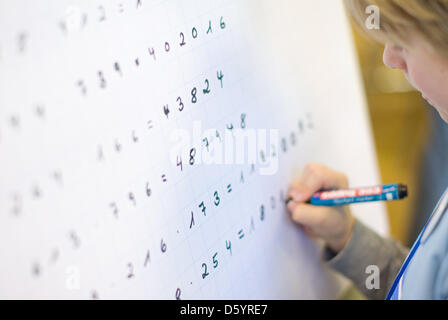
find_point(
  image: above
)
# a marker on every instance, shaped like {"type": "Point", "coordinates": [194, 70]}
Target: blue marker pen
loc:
{"type": "Point", "coordinates": [339, 197]}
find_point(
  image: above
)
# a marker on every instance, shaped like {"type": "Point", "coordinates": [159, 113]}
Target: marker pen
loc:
{"type": "Point", "coordinates": [338, 197]}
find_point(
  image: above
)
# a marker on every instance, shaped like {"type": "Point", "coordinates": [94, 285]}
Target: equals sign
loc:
{"type": "Point", "coordinates": [229, 188]}
{"type": "Point", "coordinates": [241, 234]}
{"type": "Point", "coordinates": [163, 177]}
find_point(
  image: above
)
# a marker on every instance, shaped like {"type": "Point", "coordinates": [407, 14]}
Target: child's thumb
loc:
{"type": "Point", "coordinates": [306, 214]}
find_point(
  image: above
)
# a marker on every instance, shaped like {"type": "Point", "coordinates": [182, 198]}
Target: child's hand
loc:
{"type": "Point", "coordinates": [332, 224]}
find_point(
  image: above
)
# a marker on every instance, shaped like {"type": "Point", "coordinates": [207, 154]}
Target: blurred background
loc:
{"type": "Point", "coordinates": [411, 142]}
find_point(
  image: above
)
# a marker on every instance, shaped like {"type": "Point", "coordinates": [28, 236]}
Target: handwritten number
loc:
{"type": "Point", "coordinates": [273, 204]}
{"type": "Point", "coordinates": [179, 163]}
{"type": "Point", "coordinates": [147, 259]}
{"type": "Point", "coordinates": [102, 13]}
{"type": "Point", "coordinates": [215, 261]}
{"type": "Point", "coordinates": [243, 121]}
{"type": "Point", "coordinates": [131, 270]}
{"type": "Point", "coordinates": [22, 39]}
{"type": "Point", "coordinates": [182, 42]}
{"type": "Point", "coordinates": [117, 146]}
{"type": "Point", "coordinates": [202, 206]}
{"type": "Point", "coordinates": [36, 269]}
{"type": "Point", "coordinates": [166, 110]}
{"type": "Point", "coordinates": [192, 220]}
{"type": "Point", "coordinates": [17, 205]}
{"type": "Point", "coordinates": [181, 104]}
{"type": "Point", "coordinates": [205, 273]}
{"type": "Point", "coordinates": [284, 145]}
{"type": "Point", "coordinates": [82, 86]}
{"type": "Point", "coordinates": [209, 27]}
{"type": "Point", "coordinates": [229, 246]}
{"type": "Point", "coordinates": [152, 53]}
{"type": "Point", "coordinates": [206, 90]}
{"type": "Point", "coordinates": [301, 126]}
{"type": "Point", "coordinates": [194, 99]}
{"type": "Point", "coordinates": [102, 80]}
{"type": "Point", "coordinates": [192, 154]}
{"type": "Point", "coordinates": [114, 207]}
{"type": "Point", "coordinates": [148, 190]}
{"type": "Point", "coordinates": [222, 23]}
{"type": "Point", "coordinates": [274, 150]}
{"type": "Point", "coordinates": [293, 138]}
{"type": "Point", "coordinates": [134, 137]}
{"type": "Point", "coordinates": [206, 143]}
{"type": "Point", "coordinates": [220, 76]}
{"type": "Point", "coordinates": [132, 198]}
{"type": "Point", "coordinates": [217, 199]}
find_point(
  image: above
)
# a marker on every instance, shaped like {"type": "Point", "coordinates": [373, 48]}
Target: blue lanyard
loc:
{"type": "Point", "coordinates": [393, 292]}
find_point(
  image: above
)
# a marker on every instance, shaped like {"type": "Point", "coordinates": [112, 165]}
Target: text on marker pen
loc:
{"type": "Point", "coordinates": [338, 197]}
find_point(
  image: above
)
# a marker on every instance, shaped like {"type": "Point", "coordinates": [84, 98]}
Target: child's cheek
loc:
{"type": "Point", "coordinates": [425, 82]}
{"type": "Point", "coordinates": [433, 90]}
{"type": "Point", "coordinates": [431, 79]}
{"type": "Point", "coordinates": [417, 78]}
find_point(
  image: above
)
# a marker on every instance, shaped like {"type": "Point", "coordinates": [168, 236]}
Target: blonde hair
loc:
{"type": "Point", "coordinates": [400, 18]}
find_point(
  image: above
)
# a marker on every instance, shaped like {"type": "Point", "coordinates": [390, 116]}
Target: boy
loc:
{"type": "Point", "coordinates": [415, 34]}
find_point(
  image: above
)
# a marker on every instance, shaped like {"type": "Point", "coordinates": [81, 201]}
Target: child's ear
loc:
{"type": "Point", "coordinates": [393, 57]}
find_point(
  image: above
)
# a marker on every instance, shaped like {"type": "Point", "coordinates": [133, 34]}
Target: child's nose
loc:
{"type": "Point", "coordinates": [393, 58]}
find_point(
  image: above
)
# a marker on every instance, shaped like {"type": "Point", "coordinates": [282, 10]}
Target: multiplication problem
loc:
{"type": "Point", "coordinates": [152, 53]}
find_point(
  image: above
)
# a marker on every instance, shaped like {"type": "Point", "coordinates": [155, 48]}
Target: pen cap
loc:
{"type": "Point", "coordinates": [402, 191]}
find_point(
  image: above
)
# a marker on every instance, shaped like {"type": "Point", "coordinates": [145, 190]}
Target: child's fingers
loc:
{"type": "Point", "coordinates": [306, 214]}
{"type": "Point", "coordinates": [315, 177]}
